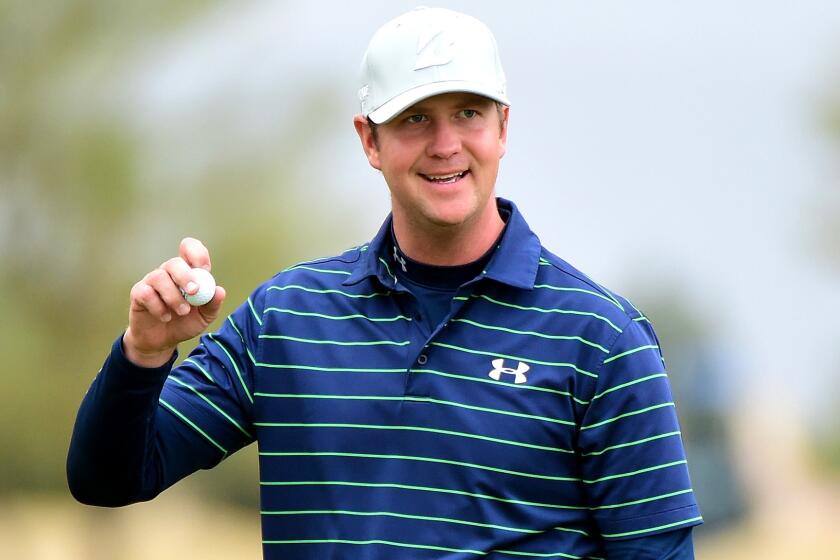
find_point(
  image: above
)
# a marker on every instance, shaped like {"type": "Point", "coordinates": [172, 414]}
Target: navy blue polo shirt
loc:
{"type": "Point", "coordinates": [535, 420]}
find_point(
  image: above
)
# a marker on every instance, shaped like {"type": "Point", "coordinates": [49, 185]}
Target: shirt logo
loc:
{"type": "Point", "coordinates": [518, 373]}
{"type": "Point", "coordinates": [435, 47]}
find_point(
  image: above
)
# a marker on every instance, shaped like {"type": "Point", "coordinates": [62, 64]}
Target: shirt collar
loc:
{"type": "Point", "coordinates": [515, 261]}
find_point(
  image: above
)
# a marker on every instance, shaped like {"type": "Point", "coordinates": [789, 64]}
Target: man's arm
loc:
{"type": "Point", "coordinates": [126, 448]}
{"type": "Point", "coordinates": [632, 457]}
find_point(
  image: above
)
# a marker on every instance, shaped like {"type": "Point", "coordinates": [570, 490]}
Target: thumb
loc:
{"type": "Point", "coordinates": [211, 310]}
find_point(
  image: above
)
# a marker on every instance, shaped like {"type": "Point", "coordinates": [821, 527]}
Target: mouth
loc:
{"type": "Point", "coordinates": [445, 179]}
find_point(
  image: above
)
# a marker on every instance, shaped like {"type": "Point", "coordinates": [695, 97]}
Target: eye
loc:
{"type": "Point", "coordinates": [469, 113]}
{"type": "Point", "coordinates": [415, 119]}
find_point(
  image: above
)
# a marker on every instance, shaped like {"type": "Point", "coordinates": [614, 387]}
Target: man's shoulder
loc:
{"type": "Point", "coordinates": [558, 278]}
{"type": "Point", "coordinates": [323, 271]}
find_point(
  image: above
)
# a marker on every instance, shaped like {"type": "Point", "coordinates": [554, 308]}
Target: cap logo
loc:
{"type": "Point", "coordinates": [363, 92]}
{"type": "Point", "coordinates": [435, 47]}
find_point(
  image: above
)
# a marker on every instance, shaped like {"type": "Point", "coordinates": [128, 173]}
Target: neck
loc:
{"type": "Point", "coordinates": [448, 245]}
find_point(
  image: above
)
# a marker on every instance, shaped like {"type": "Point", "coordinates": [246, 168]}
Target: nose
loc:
{"type": "Point", "coordinates": [445, 140]}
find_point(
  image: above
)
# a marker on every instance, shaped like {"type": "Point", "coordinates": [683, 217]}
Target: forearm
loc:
{"type": "Point", "coordinates": [115, 456]}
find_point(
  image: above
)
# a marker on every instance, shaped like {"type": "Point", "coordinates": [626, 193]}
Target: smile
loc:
{"type": "Point", "coordinates": [445, 179]}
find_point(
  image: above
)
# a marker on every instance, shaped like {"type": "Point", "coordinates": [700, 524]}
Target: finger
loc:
{"type": "Point", "coordinates": [211, 310]}
{"type": "Point", "coordinates": [144, 297]}
{"type": "Point", "coordinates": [181, 274]}
{"type": "Point", "coordinates": [165, 286]}
{"type": "Point", "coordinates": [194, 253]}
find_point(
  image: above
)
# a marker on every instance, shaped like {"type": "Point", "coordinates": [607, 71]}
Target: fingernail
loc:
{"type": "Point", "coordinates": [192, 288]}
{"type": "Point", "coordinates": [183, 309]}
{"type": "Point", "coordinates": [166, 318]}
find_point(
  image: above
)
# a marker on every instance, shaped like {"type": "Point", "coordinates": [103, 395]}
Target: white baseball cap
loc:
{"type": "Point", "coordinates": [426, 52]}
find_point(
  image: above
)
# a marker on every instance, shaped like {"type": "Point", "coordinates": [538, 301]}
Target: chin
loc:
{"type": "Point", "coordinates": [449, 217]}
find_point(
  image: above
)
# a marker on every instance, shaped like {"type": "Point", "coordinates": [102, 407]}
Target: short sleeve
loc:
{"type": "Point", "coordinates": [632, 457]}
{"type": "Point", "coordinates": [212, 389]}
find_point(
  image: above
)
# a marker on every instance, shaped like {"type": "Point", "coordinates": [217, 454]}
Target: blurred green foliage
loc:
{"type": "Point", "coordinates": [826, 434]}
{"type": "Point", "coordinates": [80, 223]}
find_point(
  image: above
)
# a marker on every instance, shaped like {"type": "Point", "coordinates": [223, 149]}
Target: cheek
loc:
{"type": "Point", "coordinates": [395, 160]}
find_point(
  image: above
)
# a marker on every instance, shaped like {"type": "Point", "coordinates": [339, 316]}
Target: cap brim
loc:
{"type": "Point", "coordinates": [397, 105]}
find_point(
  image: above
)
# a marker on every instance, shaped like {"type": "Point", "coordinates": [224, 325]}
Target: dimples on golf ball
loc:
{"type": "Point", "coordinates": [206, 288]}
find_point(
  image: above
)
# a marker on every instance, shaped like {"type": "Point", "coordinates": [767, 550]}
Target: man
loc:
{"type": "Point", "coordinates": [450, 390]}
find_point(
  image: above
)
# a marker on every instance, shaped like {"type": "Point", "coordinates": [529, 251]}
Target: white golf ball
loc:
{"type": "Point", "coordinates": [206, 288]}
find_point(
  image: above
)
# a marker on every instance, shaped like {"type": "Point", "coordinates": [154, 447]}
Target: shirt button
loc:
{"type": "Point", "coordinates": [422, 359]}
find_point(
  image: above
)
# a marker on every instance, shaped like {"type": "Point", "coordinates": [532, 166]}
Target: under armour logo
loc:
{"type": "Point", "coordinates": [518, 373]}
{"type": "Point", "coordinates": [399, 259]}
{"type": "Point", "coordinates": [435, 47]}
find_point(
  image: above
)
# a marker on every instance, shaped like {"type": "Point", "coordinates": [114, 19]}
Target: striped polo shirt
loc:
{"type": "Point", "coordinates": [535, 421]}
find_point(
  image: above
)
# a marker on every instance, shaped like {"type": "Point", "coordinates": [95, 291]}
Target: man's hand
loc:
{"type": "Point", "coordinates": [159, 318]}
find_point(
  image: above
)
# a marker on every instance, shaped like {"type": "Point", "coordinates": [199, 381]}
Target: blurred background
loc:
{"type": "Point", "coordinates": [687, 155]}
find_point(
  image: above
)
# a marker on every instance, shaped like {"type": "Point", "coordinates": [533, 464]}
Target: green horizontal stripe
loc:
{"type": "Point", "coordinates": [242, 338]}
{"type": "Point", "coordinates": [417, 488]}
{"type": "Point", "coordinates": [567, 530]}
{"type": "Point", "coordinates": [531, 333]}
{"type": "Point", "coordinates": [412, 429]}
{"type": "Point", "coordinates": [201, 369]}
{"type": "Point", "coordinates": [523, 386]}
{"type": "Point", "coordinates": [338, 317]}
{"type": "Point", "coordinates": [518, 358]}
{"type": "Point", "coordinates": [581, 290]}
{"type": "Point", "coordinates": [213, 405]}
{"type": "Point", "coordinates": [400, 516]}
{"type": "Point", "coordinates": [331, 369]}
{"type": "Point", "coordinates": [540, 554]}
{"type": "Point", "coordinates": [254, 311]}
{"type": "Point", "coordinates": [415, 458]}
{"type": "Point", "coordinates": [337, 342]}
{"type": "Point", "coordinates": [628, 384]}
{"type": "Point", "coordinates": [313, 269]}
{"type": "Point", "coordinates": [652, 529]}
{"type": "Point", "coordinates": [631, 443]}
{"type": "Point", "coordinates": [193, 425]}
{"type": "Point", "coordinates": [627, 414]}
{"type": "Point", "coordinates": [416, 399]}
{"type": "Point", "coordinates": [645, 500]}
{"type": "Point", "coordinates": [637, 472]}
{"type": "Point", "coordinates": [491, 410]}
{"type": "Point", "coordinates": [369, 542]}
{"type": "Point", "coordinates": [609, 294]}
{"type": "Point", "coordinates": [315, 291]}
{"type": "Point", "coordinates": [235, 367]}
{"type": "Point", "coordinates": [633, 351]}
{"type": "Point", "coordinates": [421, 547]}
{"type": "Point", "coordinates": [542, 310]}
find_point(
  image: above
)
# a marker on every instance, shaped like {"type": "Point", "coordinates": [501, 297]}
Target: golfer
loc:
{"type": "Point", "coordinates": [450, 390]}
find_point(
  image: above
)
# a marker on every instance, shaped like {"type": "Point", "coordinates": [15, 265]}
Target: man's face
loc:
{"type": "Point", "coordinates": [440, 158]}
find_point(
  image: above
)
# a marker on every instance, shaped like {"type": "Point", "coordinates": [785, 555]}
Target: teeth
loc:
{"type": "Point", "coordinates": [445, 178]}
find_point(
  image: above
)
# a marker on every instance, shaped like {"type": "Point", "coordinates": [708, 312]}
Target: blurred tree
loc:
{"type": "Point", "coordinates": [79, 223]}
{"type": "Point", "coordinates": [827, 210]}
{"type": "Point", "coordinates": [700, 373]}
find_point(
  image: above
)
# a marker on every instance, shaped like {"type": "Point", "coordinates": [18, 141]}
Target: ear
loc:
{"type": "Point", "coordinates": [503, 133]}
{"type": "Point", "coordinates": [368, 142]}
